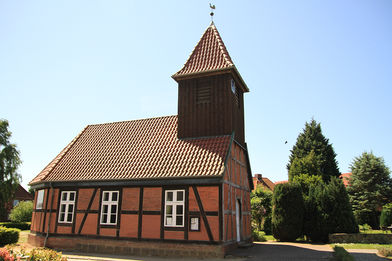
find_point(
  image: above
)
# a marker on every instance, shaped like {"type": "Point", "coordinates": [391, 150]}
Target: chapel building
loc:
{"type": "Point", "coordinates": [167, 186]}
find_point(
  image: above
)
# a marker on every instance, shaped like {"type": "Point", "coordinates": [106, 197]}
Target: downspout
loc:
{"type": "Point", "coordinates": [50, 215]}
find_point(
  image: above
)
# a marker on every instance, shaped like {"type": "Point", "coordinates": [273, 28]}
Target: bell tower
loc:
{"type": "Point", "coordinates": [210, 91]}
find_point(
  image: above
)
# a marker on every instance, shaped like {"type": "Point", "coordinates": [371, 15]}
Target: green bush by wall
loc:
{"type": "Point", "coordinates": [8, 235]}
{"type": "Point", "coordinates": [386, 215]}
{"type": "Point", "coordinates": [21, 225]}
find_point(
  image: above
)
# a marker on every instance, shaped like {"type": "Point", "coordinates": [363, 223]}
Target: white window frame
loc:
{"type": "Point", "coordinates": [109, 203]}
{"type": "Point", "coordinates": [40, 199]}
{"type": "Point", "coordinates": [174, 203]}
{"type": "Point", "coordinates": [67, 203]}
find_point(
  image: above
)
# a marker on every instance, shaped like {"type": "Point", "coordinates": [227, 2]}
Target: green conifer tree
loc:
{"type": "Point", "coordinates": [323, 162]}
{"type": "Point", "coordinates": [370, 188]}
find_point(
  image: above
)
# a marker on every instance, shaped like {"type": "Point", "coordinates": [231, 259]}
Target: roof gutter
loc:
{"type": "Point", "coordinates": [50, 214]}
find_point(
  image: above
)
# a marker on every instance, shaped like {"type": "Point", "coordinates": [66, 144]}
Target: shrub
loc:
{"type": "Point", "coordinates": [287, 212]}
{"type": "Point", "coordinates": [22, 212]}
{"type": "Point", "coordinates": [6, 255]}
{"type": "Point", "coordinates": [260, 205]}
{"type": "Point", "coordinates": [364, 227]}
{"type": "Point", "coordinates": [45, 254]}
{"type": "Point", "coordinates": [37, 254]}
{"type": "Point", "coordinates": [258, 236]}
{"type": "Point", "coordinates": [340, 254]}
{"type": "Point", "coordinates": [328, 210]}
{"type": "Point", "coordinates": [267, 227]}
{"type": "Point", "coordinates": [9, 235]}
{"type": "Point", "coordinates": [21, 226]}
{"type": "Point", "coordinates": [386, 215]}
{"type": "Point", "coordinates": [341, 216]}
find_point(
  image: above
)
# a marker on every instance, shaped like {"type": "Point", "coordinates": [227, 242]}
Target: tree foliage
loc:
{"type": "Point", "coordinates": [306, 181]}
{"type": "Point", "coordinates": [9, 162]}
{"type": "Point", "coordinates": [370, 188]}
{"type": "Point", "coordinates": [312, 154]}
{"type": "Point", "coordinates": [22, 212]}
{"type": "Point", "coordinates": [287, 212]}
{"type": "Point", "coordinates": [328, 210]}
{"type": "Point", "coordinates": [261, 200]}
{"type": "Point", "coordinates": [386, 215]}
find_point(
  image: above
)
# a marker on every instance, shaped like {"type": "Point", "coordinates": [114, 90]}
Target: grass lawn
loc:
{"type": "Point", "coordinates": [371, 231]}
{"type": "Point", "coordinates": [267, 237]}
{"type": "Point", "coordinates": [364, 246]}
{"type": "Point", "coordinates": [23, 236]}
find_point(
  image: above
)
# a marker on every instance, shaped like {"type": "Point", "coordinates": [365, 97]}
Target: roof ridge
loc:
{"type": "Point", "coordinates": [193, 50]}
{"type": "Point", "coordinates": [222, 46]}
{"type": "Point", "coordinates": [114, 122]}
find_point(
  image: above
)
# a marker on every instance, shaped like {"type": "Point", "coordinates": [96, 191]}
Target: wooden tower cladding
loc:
{"type": "Point", "coordinates": [207, 106]}
{"type": "Point", "coordinates": [210, 92]}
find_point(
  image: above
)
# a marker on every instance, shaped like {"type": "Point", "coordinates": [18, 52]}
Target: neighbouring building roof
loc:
{"type": "Point", "coordinates": [345, 177]}
{"type": "Point", "coordinates": [259, 180]}
{"type": "Point", "coordinates": [22, 194]}
{"type": "Point", "coordinates": [135, 150]}
{"type": "Point", "coordinates": [280, 182]}
{"type": "Point", "coordinates": [209, 55]}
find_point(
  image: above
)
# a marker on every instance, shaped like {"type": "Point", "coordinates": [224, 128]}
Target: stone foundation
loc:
{"type": "Point", "coordinates": [132, 248]}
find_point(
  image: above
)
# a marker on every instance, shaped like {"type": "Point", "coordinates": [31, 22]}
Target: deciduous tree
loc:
{"type": "Point", "coordinates": [261, 200]}
{"type": "Point", "coordinates": [9, 162]}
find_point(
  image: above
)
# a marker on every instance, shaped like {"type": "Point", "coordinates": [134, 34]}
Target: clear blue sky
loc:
{"type": "Point", "coordinates": [67, 64]}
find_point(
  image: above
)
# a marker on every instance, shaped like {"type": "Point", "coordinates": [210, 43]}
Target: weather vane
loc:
{"type": "Point", "coordinates": [212, 12]}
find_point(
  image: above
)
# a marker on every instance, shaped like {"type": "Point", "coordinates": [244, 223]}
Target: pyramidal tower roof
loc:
{"type": "Point", "coordinates": [209, 56]}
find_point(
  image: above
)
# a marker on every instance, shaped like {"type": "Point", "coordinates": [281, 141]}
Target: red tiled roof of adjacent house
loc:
{"type": "Point", "coordinates": [210, 54]}
{"type": "Point", "coordinates": [269, 183]}
{"type": "Point", "coordinates": [280, 182]}
{"type": "Point", "coordinates": [345, 178]}
{"type": "Point", "coordinates": [139, 149]}
{"type": "Point", "coordinates": [265, 182]}
{"type": "Point", "coordinates": [22, 194]}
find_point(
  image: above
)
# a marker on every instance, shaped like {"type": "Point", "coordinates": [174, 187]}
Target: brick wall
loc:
{"type": "Point", "coordinates": [128, 247]}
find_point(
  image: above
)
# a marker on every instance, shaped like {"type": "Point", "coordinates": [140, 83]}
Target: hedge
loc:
{"type": "Point", "coordinates": [287, 212]}
{"type": "Point", "coordinates": [8, 235]}
{"type": "Point", "coordinates": [21, 226]}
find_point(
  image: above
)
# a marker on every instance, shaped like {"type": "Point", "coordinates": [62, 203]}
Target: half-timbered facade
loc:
{"type": "Point", "coordinates": [175, 185]}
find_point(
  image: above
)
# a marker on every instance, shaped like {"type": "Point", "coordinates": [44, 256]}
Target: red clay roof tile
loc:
{"type": "Point", "coordinates": [139, 149]}
{"type": "Point", "coordinates": [210, 54]}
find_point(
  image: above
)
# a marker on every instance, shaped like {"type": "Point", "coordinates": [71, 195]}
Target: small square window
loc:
{"type": "Point", "coordinates": [195, 224]}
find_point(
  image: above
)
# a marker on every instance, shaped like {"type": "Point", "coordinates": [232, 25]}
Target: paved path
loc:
{"type": "Point", "coordinates": [365, 255]}
{"type": "Point", "coordinates": [271, 251]}
{"type": "Point", "coordinates": [276, 251]}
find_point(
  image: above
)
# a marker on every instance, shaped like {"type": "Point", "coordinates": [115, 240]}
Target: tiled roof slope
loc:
{"type": "Point", "coordinates": [210, 54]}
{"type": "Point", "coordinates": [346, 178]}
{"type": "Point", "coordinates": [269, 183]}
{"type": "Point", "coordinates": [133, 150]}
